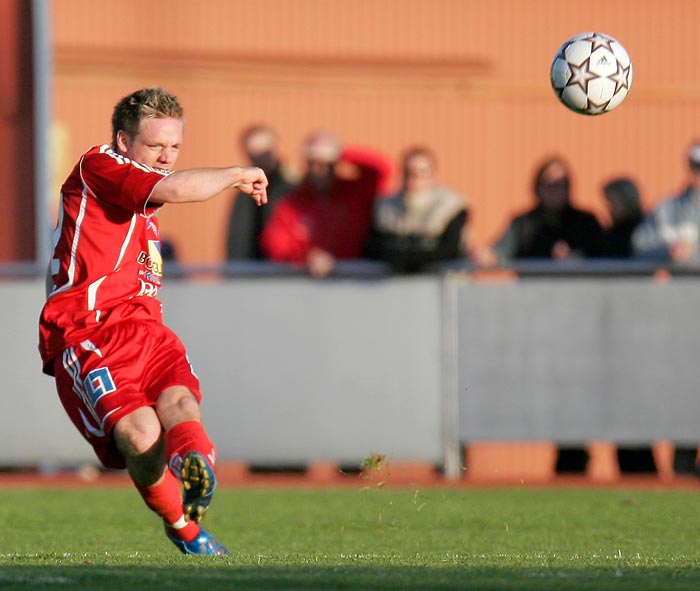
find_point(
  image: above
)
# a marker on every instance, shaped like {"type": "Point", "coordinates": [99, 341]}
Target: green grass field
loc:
{"type": "Point", "coordinates": [359, 539]}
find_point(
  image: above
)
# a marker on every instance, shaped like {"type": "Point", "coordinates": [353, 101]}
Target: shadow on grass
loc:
{"type": "Point", "coordinates": [222, 574]}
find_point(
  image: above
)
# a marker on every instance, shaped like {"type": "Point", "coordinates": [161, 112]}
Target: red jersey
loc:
{"type": "Point", "coordinates": [106, 263]}
{"type": "Point", "coordinates": [338, 222]}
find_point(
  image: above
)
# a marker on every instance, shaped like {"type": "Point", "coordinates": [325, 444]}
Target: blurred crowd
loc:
{"type": "Point", "coordinates": [342, 206]}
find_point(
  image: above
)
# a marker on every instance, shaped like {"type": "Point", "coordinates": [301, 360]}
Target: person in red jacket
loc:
{"type": "Point", "coordinates": [327, 217]}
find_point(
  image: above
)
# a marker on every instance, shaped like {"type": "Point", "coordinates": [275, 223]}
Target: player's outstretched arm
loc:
{"type": "Point", "coordinates": [200, 184]}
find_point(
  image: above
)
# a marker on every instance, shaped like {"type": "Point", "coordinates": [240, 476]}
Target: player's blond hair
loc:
{"type": "Point", "coordinates": [153, 102]}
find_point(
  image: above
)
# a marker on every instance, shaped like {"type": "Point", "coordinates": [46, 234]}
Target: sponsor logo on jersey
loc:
{"type": "Point", "coordinates": [152, 227]}
{"type": "Point", "coordinates": [148, 289]}
{"type": "Point", "coordinates": [152, 259]}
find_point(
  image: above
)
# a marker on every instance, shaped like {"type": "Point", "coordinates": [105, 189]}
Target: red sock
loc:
{"type": "Point", "coordinates": [184, 438]}
{"type": "Point", "coordinates": [165, 499]}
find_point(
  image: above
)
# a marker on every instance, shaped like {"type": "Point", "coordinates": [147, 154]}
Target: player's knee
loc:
{"type": "Point", "coordinates": [138, 434]}
{"type": "Point", "coordinates": [176, 405]}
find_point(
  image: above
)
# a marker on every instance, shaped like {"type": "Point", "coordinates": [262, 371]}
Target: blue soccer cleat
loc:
{"type": "Point", "coordinates": [203, 545]}
{"type": "Point", "coordinates": [199, 482]}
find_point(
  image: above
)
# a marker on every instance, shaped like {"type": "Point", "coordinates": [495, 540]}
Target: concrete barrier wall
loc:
{"type": "Point", "coordinates": [292, 370]}
{"type": "Point", "coordinates": [34, 429]}
{"type": "Point", "coordinates": [570, 360]}
{"type": "Point", "coordinates": [295, 370]}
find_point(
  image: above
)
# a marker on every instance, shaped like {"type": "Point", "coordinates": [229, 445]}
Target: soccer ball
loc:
{"type": "Point", "coordinates": [591, 73]}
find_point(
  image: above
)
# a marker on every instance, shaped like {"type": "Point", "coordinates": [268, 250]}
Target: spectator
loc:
{"type": "Point", "coordinates": [670, 232]}
{"type": "Point", "coordinates": [168, 252]}
{"type": "Point", "coordinates": [553, 228]}
{"type": "Point", "coordinates": [260, 144]}
{"type": "Point", "coordinates": [327, 217]}
{"type": "Point", "coordinates": [423, 223]}
{"type": "Point", "coordinates": [622, 196]}
{"type": "Point", "coordinates": [171, 260]}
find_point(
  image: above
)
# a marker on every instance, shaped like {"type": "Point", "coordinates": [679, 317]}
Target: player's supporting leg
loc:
{"type": "Point", "coordinates": [139, 438]}
{"type": "Point", "coordinates": [190, 454]}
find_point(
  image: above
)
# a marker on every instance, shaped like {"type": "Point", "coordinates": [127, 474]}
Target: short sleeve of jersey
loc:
{"type": "Point", "coordinates": [119, 181]}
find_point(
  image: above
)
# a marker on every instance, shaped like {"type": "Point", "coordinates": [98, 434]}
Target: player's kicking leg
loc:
{"type": "Point", "coordinates": [189, 451]}
{"type": "Point", "coordinates": [138, 437]}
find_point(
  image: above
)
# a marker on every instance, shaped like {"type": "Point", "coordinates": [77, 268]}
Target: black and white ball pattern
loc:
{"type": "Point", "coordinates": [591, 73]}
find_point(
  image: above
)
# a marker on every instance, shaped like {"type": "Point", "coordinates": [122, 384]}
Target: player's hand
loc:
{"type": "Point", "coordinates": [486, 257]}
{"type": "Point", "coordinates": [681, 251]}
{"type": "Point", "coordinates": [253, 182]}
{"type": "Point", "coordinates": [561, 250]}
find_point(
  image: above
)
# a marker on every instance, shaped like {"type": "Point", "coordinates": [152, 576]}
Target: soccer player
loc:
{"type": "Point", "coordinates": [122, 376]}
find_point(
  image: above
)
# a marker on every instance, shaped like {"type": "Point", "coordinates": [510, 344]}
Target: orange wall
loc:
{"type": "Point", "coordinates": [469, 78]}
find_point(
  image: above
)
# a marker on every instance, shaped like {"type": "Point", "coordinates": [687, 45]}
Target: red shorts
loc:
{"type": "Point", "coordinates": [119, 369]}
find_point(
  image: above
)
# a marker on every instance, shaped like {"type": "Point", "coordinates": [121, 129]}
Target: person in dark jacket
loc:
{"type": "Point", "coordinates": [553, 228]}
{"type": "Point", "coordinates": [246, 220]}
{"type": "Point", "coordinates": [622, 196]}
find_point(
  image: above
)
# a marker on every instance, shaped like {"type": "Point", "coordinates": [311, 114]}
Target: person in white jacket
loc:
{"type": "Point", "coordinates": [671, 232]}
